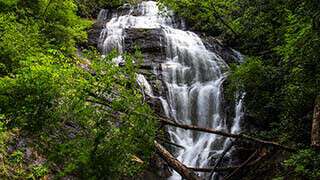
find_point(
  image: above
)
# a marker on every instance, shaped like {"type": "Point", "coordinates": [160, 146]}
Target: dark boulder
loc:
{"type": "Point", "coordinates": [226, 53]}
{"type": "Point", "coordinates": [150, 42]}
{"type": "Point", "coordinates": [94, 33]}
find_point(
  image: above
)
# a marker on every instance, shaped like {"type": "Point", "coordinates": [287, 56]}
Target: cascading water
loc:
{"type": "Point", "coordinates": [193, 76]}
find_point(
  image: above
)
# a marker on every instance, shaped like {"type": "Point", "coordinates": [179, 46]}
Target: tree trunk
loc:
{"type": "Point", "coordinates": [186, 173]}
{"type": "Point", "coordinates": [166, 121]}
{"type": "Point", "coordinates": [230, 135]}
{"type": "Point", "coordinates": [220, 159]}
{"type": "Point", "coordinates": [241, 166]}
{"type": "Point", "coordinates": [315, 132]}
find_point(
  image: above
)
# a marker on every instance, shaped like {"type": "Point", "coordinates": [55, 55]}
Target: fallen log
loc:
{"type": "Point", "coordinates": [220, 159]}
{"type": "Point", "coordinates": [230, 135]}
{"type": "Point", "coordinates": [315, 132]}
{"type": "Point", "coordinates": [196, 128]}
{"type": "Point", "coordinates": [218, 169]}
{"type": "Point", "coordinates": [241, 166]}
{"type": "Point", "coordinates": [207, 130]}
{"type": "Point", "coordinates": [226, 168]}
{"type": "Point", "coordinates": [175, 164]}
{"type": "Point", "coordinates": [171, 143]}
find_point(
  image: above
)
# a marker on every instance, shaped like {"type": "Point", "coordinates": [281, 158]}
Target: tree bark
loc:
{"type": "Point", "coordinates": [171, 143]}
{"type": "Point", "coordinates": [222, 133]}
{"type": "Point", "coordinates": [315, 132]}
{"type": "Point", "coordinates": [167, 121]}
{"type": "Point", "coordinates": [220, 159]}
{"type": "Point", "coordinates": [175, 164]}
{"type": "Point", "coordinates": [227, 168]}
{"type": "Point", "coordinates": [241, 166]}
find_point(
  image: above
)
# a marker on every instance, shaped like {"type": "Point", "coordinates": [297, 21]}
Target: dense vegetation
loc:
{"type": "Point", "coordinates": [90, 8]}
{"type": "Point", "coordinates": [281, 73]}
{"type": "Point", "coordinates": [62, 115]}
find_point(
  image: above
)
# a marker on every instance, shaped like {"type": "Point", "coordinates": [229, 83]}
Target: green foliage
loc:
{"type": "Point", "coordinates": [83, 123]}
{"type": "Point", "coordinates": [259, 81]}
{"type": "Point", "coordinates": [46, 96]}
{"type": "Point", "coordinates": [16, 157]}
{"type": "Point", "coordinates": [90, 8]}
{"type": "Point", "coordinates": [18, 40]}
{"type": "Point", "coordinates": [305, 164]}
{"type": "Point", "coordinates": [27, 26]}
{"type": "Point", "coordinates": [4, 135]}
{"type": "Point", "coordinates": [128, 134]}
{"type": "Point", "coordinates": [282, 69]}
{"type": "Point", "coordinates": [39, 171]}
{"type": "Point", "coordinates": [62, 26]}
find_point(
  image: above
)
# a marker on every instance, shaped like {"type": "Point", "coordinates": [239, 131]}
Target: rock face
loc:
{"type": "Point", "coordinates": [104, 16]}
{"type": "Point", "coordinates": [94, 33]}
{"type": "Point", "coordinates": [149, 41]}
{"type": "Point", "coordinates": [227, 54]}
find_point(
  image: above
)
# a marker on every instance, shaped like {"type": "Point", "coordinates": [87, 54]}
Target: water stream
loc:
{"type": "Point", "coordinates": [193, 76]}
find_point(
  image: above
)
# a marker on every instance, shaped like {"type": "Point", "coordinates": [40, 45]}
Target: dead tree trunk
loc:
{"type": "Point", "coordinates": [175, 164]}
{"type": "Point", "coordinates": [315, 132]}
{"type": "Point", "coordinates": [222, 133]}
{"type": "Point", "coordinates": [225, 168]}
{"type": "Point", "coordinates": [105, 102]}
{"type": "Point", "coordinates": [241, 166]}
{"type": "Point", "coordinates": [220, 159]}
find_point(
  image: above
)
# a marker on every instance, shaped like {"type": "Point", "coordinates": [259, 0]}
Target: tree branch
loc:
{"type": "Point", "coordinates": [315, 132]}
{"type": "Point", "coordinates": [222, 133]}
{"type": "Point", "coordinates": [227, 168]}
{"type": "Point", "coordinates": [220, 159]}
{"type": "Point", "coordinates": [171, 143]}
{"type": "Point", "coordinates": [170, 122]}
{"type": "Point", "coordinates": [241, 166]}
{"type": "Point", "coordinates": [217, 15]}
{"type": "Point", "coordinates": [175, 164]}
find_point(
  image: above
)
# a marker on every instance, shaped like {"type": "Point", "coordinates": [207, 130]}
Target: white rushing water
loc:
{"type": "Point", "coordinates": [193, 76]}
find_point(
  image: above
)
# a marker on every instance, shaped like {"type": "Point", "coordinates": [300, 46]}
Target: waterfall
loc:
{"type": "Point", "coordinates": [193, 76]}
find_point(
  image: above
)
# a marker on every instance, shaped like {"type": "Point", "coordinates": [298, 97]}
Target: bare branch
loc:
{"type": "Point", "coordinates": [175, 164]}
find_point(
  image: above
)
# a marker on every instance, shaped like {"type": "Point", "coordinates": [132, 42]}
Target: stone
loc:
{"type": "Point", "coordinates": [227, 54]}
{"type": "Point", "coordinates": [94, 33]}
{"type": "Point", "coordinates": [147, 40]}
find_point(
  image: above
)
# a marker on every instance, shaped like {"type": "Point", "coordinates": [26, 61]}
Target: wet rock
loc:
{"type": "Point", "coordinates": [104, 16]}
{"type": "Point", "coordinates": [227, 54]}
{"type": "Point", "coordinates": [94, 33]}
{"type": "Point", "coordinates": [150, 41]}
{"type": "Point", "coordinates": [156, 105]}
